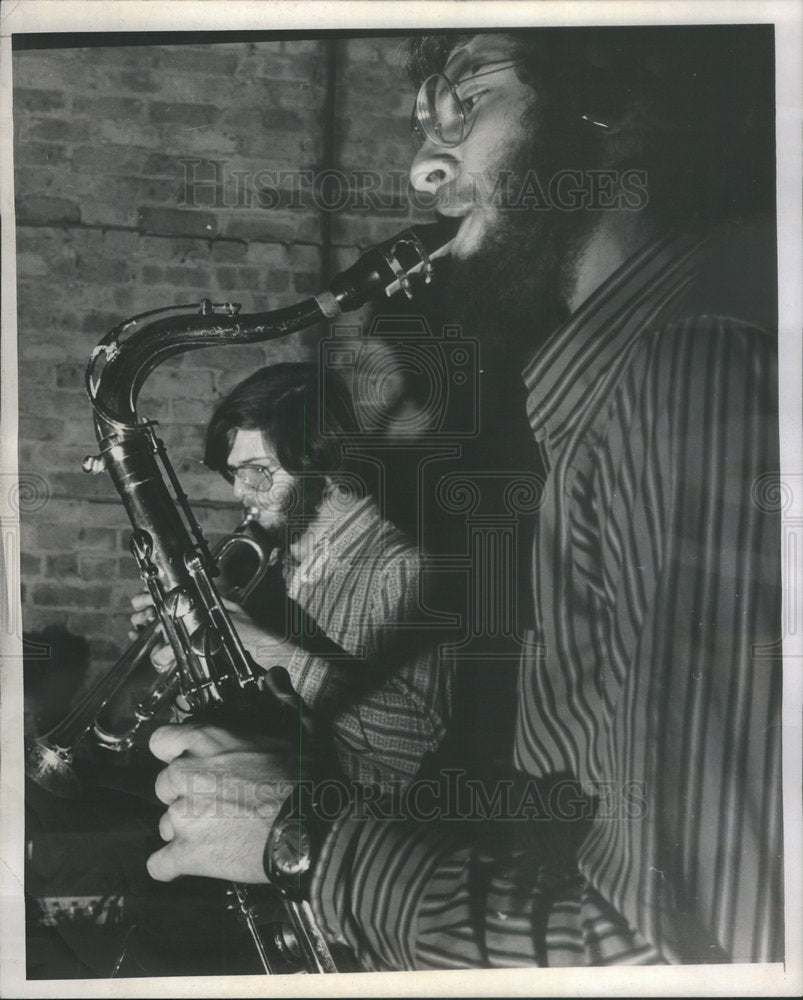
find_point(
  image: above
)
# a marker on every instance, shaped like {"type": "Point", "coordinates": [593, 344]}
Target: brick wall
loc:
{"type": "Point", "coordinates": [147, 175]}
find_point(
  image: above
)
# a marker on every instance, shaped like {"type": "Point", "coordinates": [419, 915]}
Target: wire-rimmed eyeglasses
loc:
{"type": "Point", "coordinates": [254, 477]}
{"type": "Point", "coordinates": [440, 114]}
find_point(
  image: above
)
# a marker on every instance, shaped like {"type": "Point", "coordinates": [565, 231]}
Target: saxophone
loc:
{"type": "Point", "coordinates": [213, 674]}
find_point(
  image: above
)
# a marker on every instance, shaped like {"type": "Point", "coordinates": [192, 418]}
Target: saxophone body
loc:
{"type": "Point", "coordinates": [213, 668]}
{"type": "Point", "coordinates": [214, 675]}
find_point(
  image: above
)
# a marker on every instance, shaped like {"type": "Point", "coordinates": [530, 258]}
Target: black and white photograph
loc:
{"type": "Point", "coordinates": [401, 499]}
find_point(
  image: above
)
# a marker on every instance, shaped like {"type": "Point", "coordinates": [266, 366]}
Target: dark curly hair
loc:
{"type": "Point", "coordinates": [284, 402]}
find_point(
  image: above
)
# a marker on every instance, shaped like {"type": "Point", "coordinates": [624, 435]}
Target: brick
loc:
{"type": "Point", "coordinates": [184, 115]}
{"type": "Point", "coordinates": [125, 56]}
{"type": "Point", "coordinates": [30, 565]}
{"type": "Point", "coordinates": [269, 255]}
{"type": "Point", "coordinates": [58, 130]}
{"type": "Point", "coordinates": [229, 251]}
{"type": "Point", "coordinates": [306, 284]}
{"type": "Point", "coordinates": [94, 270]}
{"type": "Point", "coordinates": [92, 624]}
{"type": "Point", "coordinates": [97, 322]}
{"type": "Point", "coordinates": [80, 436]}
{"type": "Point", "coordinates": [34, 373]}
{"type": "Point", "coordinates": [285, 150]}
{"type": "Point", "coordinates": [179, 383]}
{"type": "Point", "coordinates": [193, 277]}
{"type": "Point", "coordinates": [78, 484]}
{"type": "Point", "coordinates": [271, 227]}
{"type": "Point", "coordinates": [305, 257]}
{"type": "Point", "coordinates": [227, 278]}
{"type": "Point", "coordinates": [123, 133]}
{"type": "Point", "coordinates": [70, 376]}
{"type": "Point", "coordinates": [206, 143]}
{"type": "Point", "coordinates": [276, 281]}
{"type": "Point", "coordinates": [41, 428]}
{"type": "Point", "coordinates": [176, 249]}
{"type": "Point", "coordinates": [175, 222]}
{"type": "Point", "coordinates": [302, 46]}
{"type": "Point", "coordinates": [51, 595]}
{"type": "Point", "coordinates": [286, 94]}
{"type": "Point", "coordinates": [43, 210]}
{"type": "Point", "coordinates": [32, 265]}
{"type": "Point", "coordinates": [363, 230]}
{"type": "Point", "coordinates": [232, 363]}
{"type": "Point", "coordinates": [39, 154]}
{"type": "Point", "coordinates": [35, 619]}
{"type": "Point", "coordinates": [126, 569]}
{"type": "Point", "coordinates": [97, 568]}
{"type": "Point", "coordinates": [37, 401]}
{"type": "Point", "coordinates": [189, 411]}
{"type": "Point", "coordinates": [364, 50]}
{"type": "Point", "coordinates": [62, 566]}
{"type": "Point", "coordinates": [28, 99]}
{"type": "Point", "coordinates": [205, 60]}
{"type": "Point", "coordinates": [147, 189]}
{"type": "Point", "coordinates": [138, 80]}
{"type": "Point", "coordinates": [152, 275]}
{"type": "Point", "coordinates": [187, 437]}
{"type": "Point", "coordinates": [118, 241]}
{"type": "Point", "coordinates": [106, 159]}
{"type": "Point", "coordinates": [116, 108]}
{"type": "Point", "coordinates": [69, 69]}
{"type": "Point", "coordinates": [160, 165]}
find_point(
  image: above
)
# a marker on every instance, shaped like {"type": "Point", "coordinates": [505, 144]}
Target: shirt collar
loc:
{"type": "Point", "coordinates": [645, 290]}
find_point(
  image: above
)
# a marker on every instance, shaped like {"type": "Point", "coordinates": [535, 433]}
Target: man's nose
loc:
{"type": "Point", "coordinates": [241, 491]}
{"type": "Point", "coordinates": [432, 167]}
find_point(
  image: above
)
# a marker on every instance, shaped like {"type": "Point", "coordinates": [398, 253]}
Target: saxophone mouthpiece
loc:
{"type": "Point", "coordinates": [389, 267]}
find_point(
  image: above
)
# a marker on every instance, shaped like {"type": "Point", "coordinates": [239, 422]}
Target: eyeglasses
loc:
{"type": "Point", "coordinates": [440, 114]}
{"type": "Point", "coordinates": [254, 477]}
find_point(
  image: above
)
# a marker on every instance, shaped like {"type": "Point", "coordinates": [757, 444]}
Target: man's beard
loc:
{"type": "Point", "coordinates": [301, 507]}
{"type": "Point", "coordinates": [513, 291]}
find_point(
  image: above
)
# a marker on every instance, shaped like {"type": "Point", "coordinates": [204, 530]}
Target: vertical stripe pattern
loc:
{"type": "Point", "coordinates": [361, 586]}
{"type": "Point", "coordinates": [656, 584]}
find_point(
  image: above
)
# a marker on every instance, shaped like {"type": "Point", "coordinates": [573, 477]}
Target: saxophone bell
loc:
{"type": "Point", "coordinates": [133, 692]}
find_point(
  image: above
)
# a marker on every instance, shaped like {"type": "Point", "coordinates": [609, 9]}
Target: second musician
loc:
{"type": "Point", "coordinates": [353, 580]}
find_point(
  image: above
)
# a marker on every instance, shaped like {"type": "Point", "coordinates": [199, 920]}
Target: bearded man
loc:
{"type": "Point", "coordinates": [616, 251]}
{"type": "Point", "coordinates": [345, 616]}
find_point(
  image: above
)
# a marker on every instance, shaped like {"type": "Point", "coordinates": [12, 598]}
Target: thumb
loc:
{"type": "Point", "coordinates": [171, 741]}
{"type": "Point", "coordinates": [163, 864]}
{"type": "Point", "coordinates": [196, 739]}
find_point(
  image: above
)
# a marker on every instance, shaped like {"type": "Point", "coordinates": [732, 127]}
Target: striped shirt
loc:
{"type": "Point", "coordinates": [360, 585]}
{"type": "Point", "coordinates": [649, 692]}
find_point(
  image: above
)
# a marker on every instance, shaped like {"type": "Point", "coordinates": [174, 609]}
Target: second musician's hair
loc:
{"type": "Point", "coordinates": [284, 402]}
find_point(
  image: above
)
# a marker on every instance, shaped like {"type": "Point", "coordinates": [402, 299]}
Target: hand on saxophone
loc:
{"type": "Point", "coordinates": [162, 656]}
{"type": "Point", "coordinates": [267, 649]}
{"type": "Point", "coordinates": [223, 792]}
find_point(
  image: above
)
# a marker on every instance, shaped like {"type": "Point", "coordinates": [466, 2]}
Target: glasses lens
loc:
{"type": "Point", "coordinates": [438, 114]}
{"type": "Point", "coordinates": [254, 477]}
